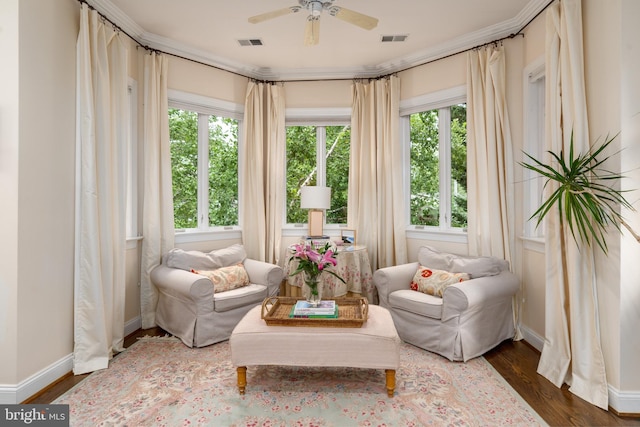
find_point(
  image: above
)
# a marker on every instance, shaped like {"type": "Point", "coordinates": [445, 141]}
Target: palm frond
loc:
{"type": "Point", "coordinates": [585, 203]}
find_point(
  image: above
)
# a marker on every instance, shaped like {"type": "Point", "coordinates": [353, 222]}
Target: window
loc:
{"type": "Point", "coordinates": [533, 145]}
{"type": "Point", "coordinates": [318, 155]}
{"type": "Point", "coordinates": [204, 166]}
{"type": "Point", "coordinates": [436, 134]}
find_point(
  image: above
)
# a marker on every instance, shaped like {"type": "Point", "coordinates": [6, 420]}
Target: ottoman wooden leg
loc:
{"type": "Point", "coordinates": [242, 378]}
{"type": "Point", "coordinates": [391, 381]}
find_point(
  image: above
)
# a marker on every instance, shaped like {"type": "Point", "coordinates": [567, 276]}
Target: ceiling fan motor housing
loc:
{"type": "Point", "coordinates": [315, 7]}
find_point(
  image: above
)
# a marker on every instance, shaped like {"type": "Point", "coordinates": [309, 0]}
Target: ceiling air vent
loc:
{"type": "Point", "coordinates": [250, 42]}
{"type": "Point", "coordinates": [396, 38]}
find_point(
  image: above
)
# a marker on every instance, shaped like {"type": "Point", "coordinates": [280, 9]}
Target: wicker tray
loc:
{"type": "Point", "coordinates": [352, 313]}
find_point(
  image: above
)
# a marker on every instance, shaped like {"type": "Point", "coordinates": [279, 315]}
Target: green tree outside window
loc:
{"type": "Point", "coordinates": [425, 164]}
{"type": "Point", "coordinates": [222, 169]}
{"type": "Point", "coordinates": [302, 169]}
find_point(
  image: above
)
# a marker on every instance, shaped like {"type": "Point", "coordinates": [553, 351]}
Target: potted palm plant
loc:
{"type": "Point", "coordinates": [586, 200]}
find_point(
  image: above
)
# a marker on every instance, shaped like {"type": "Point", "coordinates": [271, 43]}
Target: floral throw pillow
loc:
{"type": "Point", "coordinates": [434, 282]}
{"type": "Point", "coordinates": [226, 278]}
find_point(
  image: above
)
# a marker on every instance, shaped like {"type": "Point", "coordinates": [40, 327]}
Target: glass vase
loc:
{"type": "Point", "coordinates": [312, 289]}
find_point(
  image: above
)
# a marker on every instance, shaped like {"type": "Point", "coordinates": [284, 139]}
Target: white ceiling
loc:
{"type": "Point", "coordinates": [208, 31]}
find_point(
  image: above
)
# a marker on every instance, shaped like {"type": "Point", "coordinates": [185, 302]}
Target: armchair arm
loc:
{"type": "Point", "coordinates": [181, 284]}
{"type": "Point", "coordinates": [478, 292]}
{"type": "Point", "coordinates": [264, 273]}
{"type": "Point", "coordinates": [393, 278]}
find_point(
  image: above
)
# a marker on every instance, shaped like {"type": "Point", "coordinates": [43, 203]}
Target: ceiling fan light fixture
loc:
{"type": "Point", "coordinates": [315, 8]}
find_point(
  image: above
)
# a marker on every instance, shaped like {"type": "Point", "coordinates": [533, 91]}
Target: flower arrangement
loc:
{"type": "Point", "coordinates": [313, 261]}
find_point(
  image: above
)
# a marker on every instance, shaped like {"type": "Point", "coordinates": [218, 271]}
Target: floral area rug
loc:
{"type": "Point", "coordinates": [161, 382]}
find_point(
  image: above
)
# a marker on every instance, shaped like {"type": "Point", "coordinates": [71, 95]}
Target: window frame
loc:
{"type": "Point", "coordinates": [132, 233]}
{"type": "Point", "coordinates": [205, 106]}
{"type": "Point", "coordinates": [439, 100]}
{"type": "Point", "coordinates": [319, 117]}
{"type": "Point", "coordinates": [534, 132]}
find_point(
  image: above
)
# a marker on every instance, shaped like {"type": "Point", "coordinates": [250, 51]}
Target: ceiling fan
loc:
{"type": "Point", "coordinates": [315, 8]}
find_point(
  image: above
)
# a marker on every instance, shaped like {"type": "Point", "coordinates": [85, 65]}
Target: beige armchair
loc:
{"type": "Point", "coordinates": [470, 318]}
{"type": "Point", "coordinates": [189, 306]}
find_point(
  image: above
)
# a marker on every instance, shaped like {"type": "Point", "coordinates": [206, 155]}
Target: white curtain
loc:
{"type": "Point", "coordinates": [376, 194]}
{"type": "Point", "coordinates": [262, 168]}
{"type": "Point", "coordinates": [101, 188]}
{"type": "Point", "coordinates": [572, 351]}
{"type": "Point", "coordinates": [490, 209]}
{"type": "Point", "coordinates": [157, 216]}
{"type": "Point", "coordinates": [489, 156]}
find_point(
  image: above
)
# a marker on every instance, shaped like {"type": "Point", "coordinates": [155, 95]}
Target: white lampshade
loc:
{"type": "Point", "coordinates": [315, 197]}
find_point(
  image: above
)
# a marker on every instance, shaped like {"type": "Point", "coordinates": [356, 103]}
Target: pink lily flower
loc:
{"type": "Point", "coordinates": [299, 251]}
{"type": "Point", "coordinates": [313, 256]}
{"type": "Point", "coordinates": [327, 259]}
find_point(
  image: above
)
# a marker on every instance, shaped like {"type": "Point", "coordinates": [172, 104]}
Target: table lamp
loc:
{"type": "Point", "coordinates": [316, 199]}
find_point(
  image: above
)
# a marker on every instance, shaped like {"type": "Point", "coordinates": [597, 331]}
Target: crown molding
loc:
{"type": "Point", "coordinates": [468, 41]}
{"type": "Point", "coordinates": [170, 46]}
{"type": "Point", "coordinates": [117, 16]}
{"type": "Point", "coordinates": [460, 44]}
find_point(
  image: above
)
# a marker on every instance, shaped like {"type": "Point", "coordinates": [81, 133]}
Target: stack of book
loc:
{"type": "Point", "coordinates": [327, 309]}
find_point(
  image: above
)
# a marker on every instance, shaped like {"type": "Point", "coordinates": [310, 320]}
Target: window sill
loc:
{"type": "Point", "coordinates": [132, 242]}
{"type": "Point", "coordinates": [451, 236]}
{"type": "Point", "coordinates": [296, 230]}
{"type": "Point", "coordinates": [190, 236]}
{"type": "Point", "coordinates": [535, 244]}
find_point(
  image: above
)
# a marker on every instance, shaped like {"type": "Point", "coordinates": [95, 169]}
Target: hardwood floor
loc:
{"type": "Point", "coordinates": [515, 361]}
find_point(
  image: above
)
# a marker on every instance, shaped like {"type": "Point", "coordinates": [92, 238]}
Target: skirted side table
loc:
{"type": "Point", "coordinates": [353, 266]}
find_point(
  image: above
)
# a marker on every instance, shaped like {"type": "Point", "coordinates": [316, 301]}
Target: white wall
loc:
{"type": "Point", "coordinates": [9, 134]}
{"type": "Point", "coordinates": [37, 125]}
{"type": "Point", "coordinates": [612, 66]}
{"type": "Point", "coordinates": [48, 32]}
{"type": "Point", "coordinates": [630, 141]}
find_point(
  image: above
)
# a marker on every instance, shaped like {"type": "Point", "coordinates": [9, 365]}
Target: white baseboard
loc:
{"type": "Point", "coordinates": [12, 394]}
{"type": "Point", "coordinates": [623, 402]}
{"type": "Point", "coordinates": [132, 325]}
{"type": "Point", "coordinates": [532, 338]}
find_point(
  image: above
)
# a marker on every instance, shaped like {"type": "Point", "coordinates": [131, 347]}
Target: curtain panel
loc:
{"type": "Point", "coordinates": [101, 180]}
{"type": "Point", "coordinates": [376, 206]}
{"type": "Point", "coordinates": [157, 211]}
{"type": "Point", "coordinates": [262, 171]}
{"type": "Point", "coordinates": [489, 156]}
{"type": "Point", "coordinates": [572, 351]}
{"type": "Point", "coordinates": [490, 162]}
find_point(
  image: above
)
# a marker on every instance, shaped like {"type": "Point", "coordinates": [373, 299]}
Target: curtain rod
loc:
{"type": "Point", "coordinates": [511, 36]}
{"type": "Point", "coordinates": [150, 49]}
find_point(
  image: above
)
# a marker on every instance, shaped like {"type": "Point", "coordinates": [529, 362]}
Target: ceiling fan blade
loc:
{"type": "Point", "coordinates": [312, 31]}
{"type": "Point", "coordinates": [355, 18]}
{"type": "Point", "coordinates": [273, 14]}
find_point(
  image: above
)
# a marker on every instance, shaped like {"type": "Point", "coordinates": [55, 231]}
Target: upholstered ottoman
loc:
{"type": "Point", "coordinates": [375, 345]}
